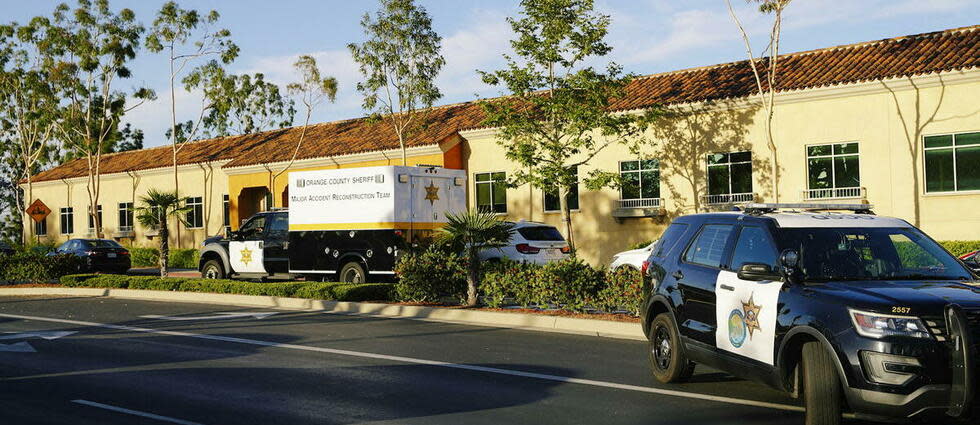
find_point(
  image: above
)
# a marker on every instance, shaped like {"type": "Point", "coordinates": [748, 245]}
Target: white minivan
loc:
{"type": "Point", "coordinates": [532, 242]}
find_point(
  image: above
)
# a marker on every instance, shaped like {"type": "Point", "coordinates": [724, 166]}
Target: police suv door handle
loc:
{"type": "Point", "coordinates": [727, 287]}
{"type": "Point", "coordinates": [678, 275]}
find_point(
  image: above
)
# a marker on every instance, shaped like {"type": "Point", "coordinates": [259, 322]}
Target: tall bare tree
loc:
{"type": "Point", "coordinates": [186, 36]}
{"type": "Point", "coordinates": [28, 101]}
{"type": "Point", "coordinates": [92, 46]}
{"type": "Point", "coordinates": [400, 61]}
{"type": "Point", "coordinates": [312, 90]}
{"type": "Point", "coordinates": [765, 73]}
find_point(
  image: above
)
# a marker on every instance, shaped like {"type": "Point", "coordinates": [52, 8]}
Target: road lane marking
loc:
{"type": "Point", "coordinates": [228, 315]}
{"type": "Point", "coordinates": [135, 412]}
{"type": "Point", "coordinates": [26, 347]}
{"type": "Point", "coordinates": [493, 370]}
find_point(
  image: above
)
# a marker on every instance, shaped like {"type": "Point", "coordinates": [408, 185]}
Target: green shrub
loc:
{"type": "Point", "coordinates": [315, 290]}
{"type": "Point", "coordinates": [638, 245]}
{"type": "Point", "coordinates": [31, 265]}
{"type": "Point", "coordinates": [180, 258]}
{"type": "Point", "coordinates": [511, 279]}
{"type": "Point", "coordinates": [430, 275]}
{"type": "Point", "coordinates": [144, 257]}
{"type": "Point", "coordinates": [959, 248]}
{"type": "Point", "coordinates": [623, 289]}
{"type": "Point", "coordinates": [569, 283]}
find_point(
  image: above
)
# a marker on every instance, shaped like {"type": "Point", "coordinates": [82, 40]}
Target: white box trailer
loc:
{"type": "Point", "coordinates": [356, 221]}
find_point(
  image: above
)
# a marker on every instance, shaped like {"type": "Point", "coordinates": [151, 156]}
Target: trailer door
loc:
{"type": "Point", "coordinates": [430, 200]}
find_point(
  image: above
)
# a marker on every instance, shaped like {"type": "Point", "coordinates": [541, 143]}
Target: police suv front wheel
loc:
{"type": "Point", "coordinates": [213, 270]}
{"type": "Point", "coordinates": [667, 359]}
{"type": "Point", "coordinates": [821, 386]}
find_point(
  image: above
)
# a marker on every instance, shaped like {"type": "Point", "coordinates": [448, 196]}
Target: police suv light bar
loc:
{"type": "Point", "coordinates": [767, 207]}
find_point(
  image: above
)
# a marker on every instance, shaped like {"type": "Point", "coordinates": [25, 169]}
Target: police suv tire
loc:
{"type": "Point", "coordinates": [213, 269]}
{"type": "Point", "coordinates": [351, 271]}
{"type": "Point", "coordinates": [822, 392]}
{"type": "Point", "coordinates": [676, 368]}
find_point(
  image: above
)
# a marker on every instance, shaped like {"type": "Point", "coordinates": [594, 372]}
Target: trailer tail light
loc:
{"type": "Point", "coordinates": [566, 249]}
{"type": "Point", "coordinates": [524, 248]}
{"type": "Point", "coordinates": [644, 266]}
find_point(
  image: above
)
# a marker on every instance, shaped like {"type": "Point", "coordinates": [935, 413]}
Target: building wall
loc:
{"type": "Point", "coordinates": [893, 177]}
{"type": "Point", "coordinates": [209, 183]}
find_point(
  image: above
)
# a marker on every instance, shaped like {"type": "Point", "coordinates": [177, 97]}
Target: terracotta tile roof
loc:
{"type": "Point", "coordinates": [954, 49]}
{"type": "Point", "coordinates": [362, 135]}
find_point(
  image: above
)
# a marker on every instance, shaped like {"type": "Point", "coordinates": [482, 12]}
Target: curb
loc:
{"type": "Point", "coordinates": [524, 321]}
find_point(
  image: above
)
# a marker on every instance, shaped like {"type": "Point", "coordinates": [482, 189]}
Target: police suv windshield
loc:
{"type": "Point", "coordinates": [853, 254]}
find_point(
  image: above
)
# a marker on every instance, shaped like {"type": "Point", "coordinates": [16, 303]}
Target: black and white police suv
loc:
{"type": "Point", "coordinates": [848, 310]}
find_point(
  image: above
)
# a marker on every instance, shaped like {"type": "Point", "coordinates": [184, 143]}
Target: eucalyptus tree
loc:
{"type": "Point", "coordinates": [557, 116]}
{"type": "Point", "coordinates": [765, 73]}
{"type": "Point", "coordinates": [399, 61]}
{"type": "Point", "coordinates": [235, 104]}
{"type": "Point", "coordinates": [312, 90]}
{"type": "Point", "coordinates": [91, 47]}
{"type": "Point", "coordinates": [186, 36]}
{"type": "Point", "coordinates": [28, 105]}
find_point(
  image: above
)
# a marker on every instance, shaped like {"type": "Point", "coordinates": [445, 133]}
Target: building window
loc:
{"type": "Point", "coordinates": [41, 227]}
{"type": "Point", "coordinates": [553, 204]}
{"type": "Point", "coordinates": [951, 162]}
{"type": "Point", "coordinates": [833, 170]}
{"type": "Point", "coordinates": [729, 177]}
{"type": "Point", "coordinates": [67, 216]}
{"type": "Point", "coordinates": [491, 192]}
{"type": "Point", "coordinates": [641, 183]}
{"type": "Point", "coordinates": [195, 213]}
{"type": "Point", "coordinates": [126, 216]}
{"type": "Point", "coordinates": [225, 212]}
{"type": "Point", "coordinates": [91, 222]}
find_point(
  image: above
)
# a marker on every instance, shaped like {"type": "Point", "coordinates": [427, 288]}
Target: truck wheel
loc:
{"type": "Point", "coordinates": [667, 359]}
{"type": "Point", "coordinates": [213, 270]}
{"type": "Point", "coordinates": [352, 272]}
{"type": "Point", "coordinates": [821, 386]}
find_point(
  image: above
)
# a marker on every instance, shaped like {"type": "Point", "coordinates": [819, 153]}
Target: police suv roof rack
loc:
{"type": "Point", "coordinates": [764, 208]}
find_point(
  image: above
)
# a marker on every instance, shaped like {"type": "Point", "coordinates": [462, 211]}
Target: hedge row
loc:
{"type": "Point", "coordinates": [959, 248]}
{"type": "Point", "coordinates": [180, 258]}
{"type": "Point", "coordinates": [35, 266]}
{"type": "Point", "coordinates": [436, 275]}
{"type": "Point", "coordinates": [314, 290]}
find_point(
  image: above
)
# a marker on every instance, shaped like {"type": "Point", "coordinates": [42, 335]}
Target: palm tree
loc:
{"type": "Point", "coordinates": [156, 210]}
{"type": "Point", "coordinates": [474, 231]}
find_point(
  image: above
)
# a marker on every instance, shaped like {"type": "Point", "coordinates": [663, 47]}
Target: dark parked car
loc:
{"type": "Point", "coordinates": [5, 249]}
{"type": "Point", "coordinates": [851, 312]}
{"type": "Point", "coordinates": [99, 255]}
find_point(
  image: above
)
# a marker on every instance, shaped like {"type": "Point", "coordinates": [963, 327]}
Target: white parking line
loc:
{"type": "Point", "coordinates": [494, 370]}
{"type": "Point", "coordinates": [135, 412]}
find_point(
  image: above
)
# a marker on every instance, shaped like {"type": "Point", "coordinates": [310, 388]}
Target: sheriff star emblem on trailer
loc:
{"type": "Point", "coordinates": [432, 193]}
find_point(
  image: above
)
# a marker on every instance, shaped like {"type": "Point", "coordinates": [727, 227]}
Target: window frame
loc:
{"type": "Point", "coordinates": [68, 212]}
{"type": "Point", "coordinates": [491, 182]}
{"type": "Point", "coordinates": [833, 165]}
{"type": "Point", "coordinates": [953, 147]}
{"type": "Point", "coordinates": [578, 201]}
{"type": "Point", "coordinates": [226, 212]}
{"type": "Point", "coordinates": [41, 227]}
{"type": "Point", "coordinates": [639, 170]}
{"type": "Point", "coordinates": [126, 209]}
{"type": "Point", "coordinates": [738, 234]}
{"type": "Point", "coordinates": [91, 223]}
{"type": "Point", "coordinates": [707, 172]}
{"type": "Point", "coordinates": [195, 203]}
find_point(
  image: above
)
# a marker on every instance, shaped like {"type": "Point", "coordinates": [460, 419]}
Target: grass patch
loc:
{"type": "Point", "coordinates": [336, 291]}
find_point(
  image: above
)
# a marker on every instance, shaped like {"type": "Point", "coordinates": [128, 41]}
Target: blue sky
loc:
{"type": "Point", "coordinates": [648, 36]}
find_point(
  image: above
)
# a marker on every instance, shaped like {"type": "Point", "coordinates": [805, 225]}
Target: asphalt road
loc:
{"type": "Point", "coordinates": [99, 361]}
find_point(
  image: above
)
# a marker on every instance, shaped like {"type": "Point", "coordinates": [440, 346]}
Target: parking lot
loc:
{"type": "Point", "coordinates": [97, 360]}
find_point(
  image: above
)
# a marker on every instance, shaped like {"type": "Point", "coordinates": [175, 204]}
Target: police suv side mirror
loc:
{"type": "Point", "coordinates": [789, 262]}
{"type": "Point", "coordinates": [757, 271]}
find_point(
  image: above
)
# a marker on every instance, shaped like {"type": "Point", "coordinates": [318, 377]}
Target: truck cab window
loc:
{"type": "Point", "coordinates": [253, 227]}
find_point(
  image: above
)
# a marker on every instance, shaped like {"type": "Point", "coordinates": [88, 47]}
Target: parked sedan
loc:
{"type": "Point", "coordinates": [532, 242]}
{"type": "Point", "coordinates": [633, 258]}
{"type": "Point", "coordinates": [5, 249]}
{"type": "Point", "coordinates": [103, 255]}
